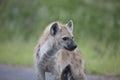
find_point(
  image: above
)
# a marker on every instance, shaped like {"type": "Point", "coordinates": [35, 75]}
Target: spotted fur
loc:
{"type": "Point", "coordinates": [56, 50]}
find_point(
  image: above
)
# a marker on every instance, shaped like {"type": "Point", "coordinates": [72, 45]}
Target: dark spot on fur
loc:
{"type": "Point", "coordinates": [80, 61]}
{"type": "Point", "coordinates": [77, 65]}
{"type": "Point", "coordinates": [38, 51]}
{"type": "Point", "coordinates": [67, 54]}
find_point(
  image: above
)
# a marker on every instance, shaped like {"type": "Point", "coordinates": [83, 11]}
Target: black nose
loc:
{"type": "Point", "coordinates": [75, 46]}
{"type": "Point", "coordinates": [71, 45]}
{"type": "Point", "coordinates": [71, 48]}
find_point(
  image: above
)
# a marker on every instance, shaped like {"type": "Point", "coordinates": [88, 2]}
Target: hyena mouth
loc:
{"type": "Point", "coordinates": [70, 48]}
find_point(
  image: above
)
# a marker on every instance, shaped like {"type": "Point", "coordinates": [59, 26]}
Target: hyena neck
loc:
{"type": "Point", "coordinates": [49, 49]}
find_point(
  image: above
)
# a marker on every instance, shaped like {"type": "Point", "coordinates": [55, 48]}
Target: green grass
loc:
{"type": "Point", "coordinates": [17, 53]}
{"type": "Point", "coordinates": [21, 53]}
{"type": "Point", "coordinates": [99, 61]}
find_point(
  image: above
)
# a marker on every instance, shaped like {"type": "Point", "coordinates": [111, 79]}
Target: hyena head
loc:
{"type": "Point", "coordinates": [63, 35]}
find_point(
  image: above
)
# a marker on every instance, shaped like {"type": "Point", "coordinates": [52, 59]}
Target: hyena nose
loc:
{"type": "Point", "coordinates": [74, 46]}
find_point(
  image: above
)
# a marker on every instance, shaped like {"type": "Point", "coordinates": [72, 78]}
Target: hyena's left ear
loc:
{"type": "Point", "coordinates": [70, 25]}
{"type": "Point", "coordinates": [54, 29]}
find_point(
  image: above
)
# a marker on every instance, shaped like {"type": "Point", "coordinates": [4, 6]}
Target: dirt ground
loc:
{"type": "Point", "coordinates": [8, 72]}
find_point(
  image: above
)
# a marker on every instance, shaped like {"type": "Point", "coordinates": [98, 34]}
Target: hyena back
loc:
{"type": "Point", "coordinates": [56, 50]}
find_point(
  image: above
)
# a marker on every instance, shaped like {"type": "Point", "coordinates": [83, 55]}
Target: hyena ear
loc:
{"type": "Point", "coordinates": [70, 25]}
{"type": "Point", "coordinates": [54, 28]}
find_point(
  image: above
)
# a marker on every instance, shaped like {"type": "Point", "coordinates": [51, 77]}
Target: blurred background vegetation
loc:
{"type": "Point", "coordinates": [96, 30]}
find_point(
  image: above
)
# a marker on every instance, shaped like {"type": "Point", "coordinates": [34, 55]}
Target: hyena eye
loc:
{"type": "Point", "coordinates": [65, 38]}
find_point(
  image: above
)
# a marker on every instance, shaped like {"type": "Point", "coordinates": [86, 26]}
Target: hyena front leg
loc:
{"type": "Point", "coordinates": [40, 73]}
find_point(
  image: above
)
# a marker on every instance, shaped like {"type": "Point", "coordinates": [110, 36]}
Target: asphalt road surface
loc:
{"type": "Point", "coordinates": [8, 72]}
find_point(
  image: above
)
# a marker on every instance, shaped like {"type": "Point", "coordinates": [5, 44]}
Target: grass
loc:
{"type": "Point", "coordinates": [19, 52]}
{"type": "Point", "coordinates": [99, 61]}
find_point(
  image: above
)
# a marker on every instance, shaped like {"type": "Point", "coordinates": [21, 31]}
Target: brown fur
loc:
{"type": "Point", "coordinates": [57, 58]}
{"type": "Point", "coordinates": [75, 60]}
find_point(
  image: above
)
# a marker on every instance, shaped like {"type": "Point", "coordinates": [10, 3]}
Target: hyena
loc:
{"type": "Point", "coordinates": [57, 53]}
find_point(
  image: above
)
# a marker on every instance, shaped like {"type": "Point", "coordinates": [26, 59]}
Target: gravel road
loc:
{"type": "Point", "coordinates": [8, 72]}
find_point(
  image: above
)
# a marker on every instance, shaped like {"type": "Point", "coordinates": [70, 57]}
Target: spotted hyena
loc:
{"type": "Point", "coordinates": [57, 53]}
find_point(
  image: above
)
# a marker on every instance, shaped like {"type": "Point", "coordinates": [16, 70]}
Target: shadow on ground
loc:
{"type": "Point", "coordinates": [8, 72]}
